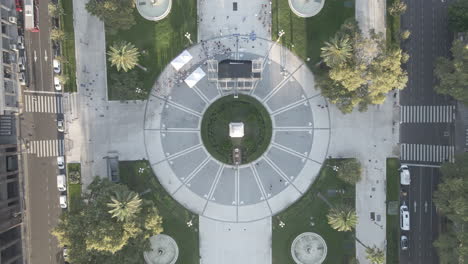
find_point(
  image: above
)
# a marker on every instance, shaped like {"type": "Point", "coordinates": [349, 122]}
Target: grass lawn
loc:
{"type": "Point", "coordinates": [158, 42]}
{"type": "Point", "coordinates": [341, 245]}
{"type": "Point", "coordinates": [257, 128]}
{"type": "Point", "coordinates": [175, 216]}
{"type": "Point", "coordinates": [393, 190]}
{"type": "Point", "coordinates": [68, 45]}
{"type": "Point", "coordinates": [74, 195]}
{"type": "Point", "coordinates": [308, 34]}
{"type": "Point", "coordinates": [393, 27]}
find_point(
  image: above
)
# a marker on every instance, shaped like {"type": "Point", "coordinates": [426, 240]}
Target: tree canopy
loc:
{"type": "Point", "coordinates": [349, 170]}
{"type": "Point", "coordinates": [127, 85]}
{"type": "Point", "coordinates": [458, 16]}
{"type": "Point", "coordinates": [359, 70]}
{"type": "Point", "coordinates": [342, 218]}
{"type": "Point", "coordinates": [451, 200]}
{"type": "Point", "coordinates": [116, 14]}
{"type": "Point", "coordinates": [92, 233]}
{"type": "Point", "coordinates": [123, 55]}
{"type": "Point", "coordinates": [453, 73]}
{"type": "Point", "coordinates": [375, 255]}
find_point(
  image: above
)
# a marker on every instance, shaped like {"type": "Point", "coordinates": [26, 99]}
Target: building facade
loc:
{"type": "Point", "coordinates": [11, 193]}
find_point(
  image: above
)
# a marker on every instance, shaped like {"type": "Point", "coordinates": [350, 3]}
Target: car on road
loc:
{"type": "Point", "coordinates": [404, 242]}
{"type": "Point", "coordinates": [57, 85]}
{"type": "Point", "coordinates": [61, 182]}
{"type": "Point", "coordinates": [56, 65]}
{"type": "Point", "coordinates": [405, 177]}
{"type": "Point", "coordinates": [404, 218]}
{"type": "Point", "coordinates": [63, 201]}
{"type": "Point", "coordinates": [61, 162]}
{"type": "Point", "coordinates": [20, 42]}
{"type": "Point", "coordinates": [22, 78]}
{"type": "Point", "coordinates": [60, 125]}
{"type": "Point", "coordinates": [21, 64]}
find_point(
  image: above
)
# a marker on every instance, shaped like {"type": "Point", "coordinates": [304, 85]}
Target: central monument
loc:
{"type": "Point", "coordinates": [236, 129]}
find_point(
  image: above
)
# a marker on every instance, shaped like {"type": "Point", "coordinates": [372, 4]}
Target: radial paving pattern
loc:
{"type": "Point", "coordinates": [301, 131]}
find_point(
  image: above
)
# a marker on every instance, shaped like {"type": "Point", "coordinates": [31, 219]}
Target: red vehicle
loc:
{"type": "Point", "coordinates": [19, 5]}
{"type": "Point", "coordinates": [31, 15]}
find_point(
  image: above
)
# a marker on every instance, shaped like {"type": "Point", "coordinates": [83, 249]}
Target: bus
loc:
{"type": "Point", "coordinates": [31, 15]}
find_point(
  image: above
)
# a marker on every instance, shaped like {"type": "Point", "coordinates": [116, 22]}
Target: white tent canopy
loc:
{"type": "Point", "coordinates": [181, 60]}
{"type": "Point", "coordinates": [195, 77]}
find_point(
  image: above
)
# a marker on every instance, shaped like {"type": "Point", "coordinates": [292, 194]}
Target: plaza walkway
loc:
{"type": "Point", "coordinates": [102, 127]}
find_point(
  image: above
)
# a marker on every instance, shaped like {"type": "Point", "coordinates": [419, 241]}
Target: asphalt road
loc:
{"type": "Point", "coordinates": [423, 216]}
{"type": "Point", "coordinates": [430, 38]}
{"type": "Point", "coordinates": [42, 203]}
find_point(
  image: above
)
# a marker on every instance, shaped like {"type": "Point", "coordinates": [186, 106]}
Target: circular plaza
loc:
{"type": "Point", "coordinates": [235, 129]}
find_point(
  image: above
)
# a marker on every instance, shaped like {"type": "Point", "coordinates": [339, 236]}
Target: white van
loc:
{"type": "Point", "coordinates": [404, 218]}
{"type": "Point", "coordinates": [405, 178]}
{"type": "Point", "coordinates": [61, 183]}
{"type": "Point", "coordinates": [63, 201]}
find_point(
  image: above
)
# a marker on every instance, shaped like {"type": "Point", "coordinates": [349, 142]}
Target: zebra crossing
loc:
{"type": "Point", "coordinates": [427, 114]}
{"type": "Point", "coordinates": [46, 148]}
{"type": "Point", "coordinates": [427, 153]}
{"type": "Point", "coordinates": [43, 103]}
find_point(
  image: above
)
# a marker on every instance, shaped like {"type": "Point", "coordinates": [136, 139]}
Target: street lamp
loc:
{"type": "Point", "coordinates": [187, 35]}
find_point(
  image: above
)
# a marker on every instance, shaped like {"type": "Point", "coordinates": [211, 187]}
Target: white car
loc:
{"type": "Point", "coordinates": [56, 65]}
{"type": "Point", "coordinates": [404, 242]}
{"type": "Point", "coordinates": [404, 218]}
{"type": "Point", "coordinates": [405, 177]}
{"type": "Point", "coordinates": [22, 78]}
{"type": "Point", "coordinates": [61, 162]}
{"type": "Point", "coordinates": [58, 86]}
{"type": "Point", "coordinates": [63, 201]}
{"type": "Point", "coordinates": [60, 125]}
{"type": "Point", "coordinates": [61, 182]}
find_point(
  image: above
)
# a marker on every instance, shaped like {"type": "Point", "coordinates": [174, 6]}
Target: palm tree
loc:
{"type": "Point", "coordinates": [337, 50]}
{"type": "Point", "coordinates": [124, 205]}
{"type": "Point", "coordinates": [375, 255]}
{"type": "Point", "coordinates": [123, 55]}
{"type": "Point", "coordinates": [342, 218]}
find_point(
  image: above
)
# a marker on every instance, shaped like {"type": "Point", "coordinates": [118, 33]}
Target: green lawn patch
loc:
{"type": "Point", "coordinates": [393, 27]}
{"type": "Point", "coordinates": [68, 46]}
{"type": "Point", "coordinates": [257, 128]}
{"type": "Point", "coordinates": [74, 195]}
{"type": "Point", "coordinates": [158, 42]}
{"type": "Point", "coordinates": [175, 216]}
{"type": "Point", "coordinates": [305, 36]}
{"type": "Point", "coordinates": [312, 209]}
{"type": "Point", "coordinates": [393, 193]}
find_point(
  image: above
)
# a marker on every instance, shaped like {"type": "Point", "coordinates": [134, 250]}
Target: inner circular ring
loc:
{"type": "Point", "coordinates": [236, 129]}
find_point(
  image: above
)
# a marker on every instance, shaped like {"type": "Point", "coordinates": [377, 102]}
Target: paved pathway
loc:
{"type": "Point", "coordinates": [251, 191]}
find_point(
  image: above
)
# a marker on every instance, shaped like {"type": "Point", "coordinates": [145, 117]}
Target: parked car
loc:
{"type": "Point", "coordinates": [404, 242]}
{"type": "Point", "coordinates": [57, 85]}
{"type": "Point", "coordinates": [65, 253]}
{"type": "Point", "coordinates": [63, 201]}
{"type": "Point", "coordinates": [405, 178]}
{"type": "Point", "coordinates": [22, 78]}
{"type": "Point", "coordinates": [20, 42]}
{"type": "Point", "coordinates": [56, 65]}
{"type": "Point", "coordinates": [60, 125]}
{"type": "Point", "coordinates": [21, 64]}
{"type": "Point", "coordinates": [61, 182]}
{"type": "Point", "coordinates": [404, 218]}
{"type": "Point", "coordinates": [61, 162]}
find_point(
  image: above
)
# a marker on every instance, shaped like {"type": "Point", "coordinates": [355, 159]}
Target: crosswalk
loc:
{"type": "Point", "coordinates": [46, 148]}
{"type": "Point", "coordinates": [43, 103]}
{"type": "Point", "coordinates": [427, 153]}
{"type": "Point", "coordinates": [427, 114]}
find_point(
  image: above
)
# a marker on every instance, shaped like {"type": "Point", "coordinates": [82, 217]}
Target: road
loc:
{"type": "Point", "coordinates": [423, 216]}
{"type": "Point", "coordinates": [427, 123]}
{"type": "Point", "coordinates": [38, 130]}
